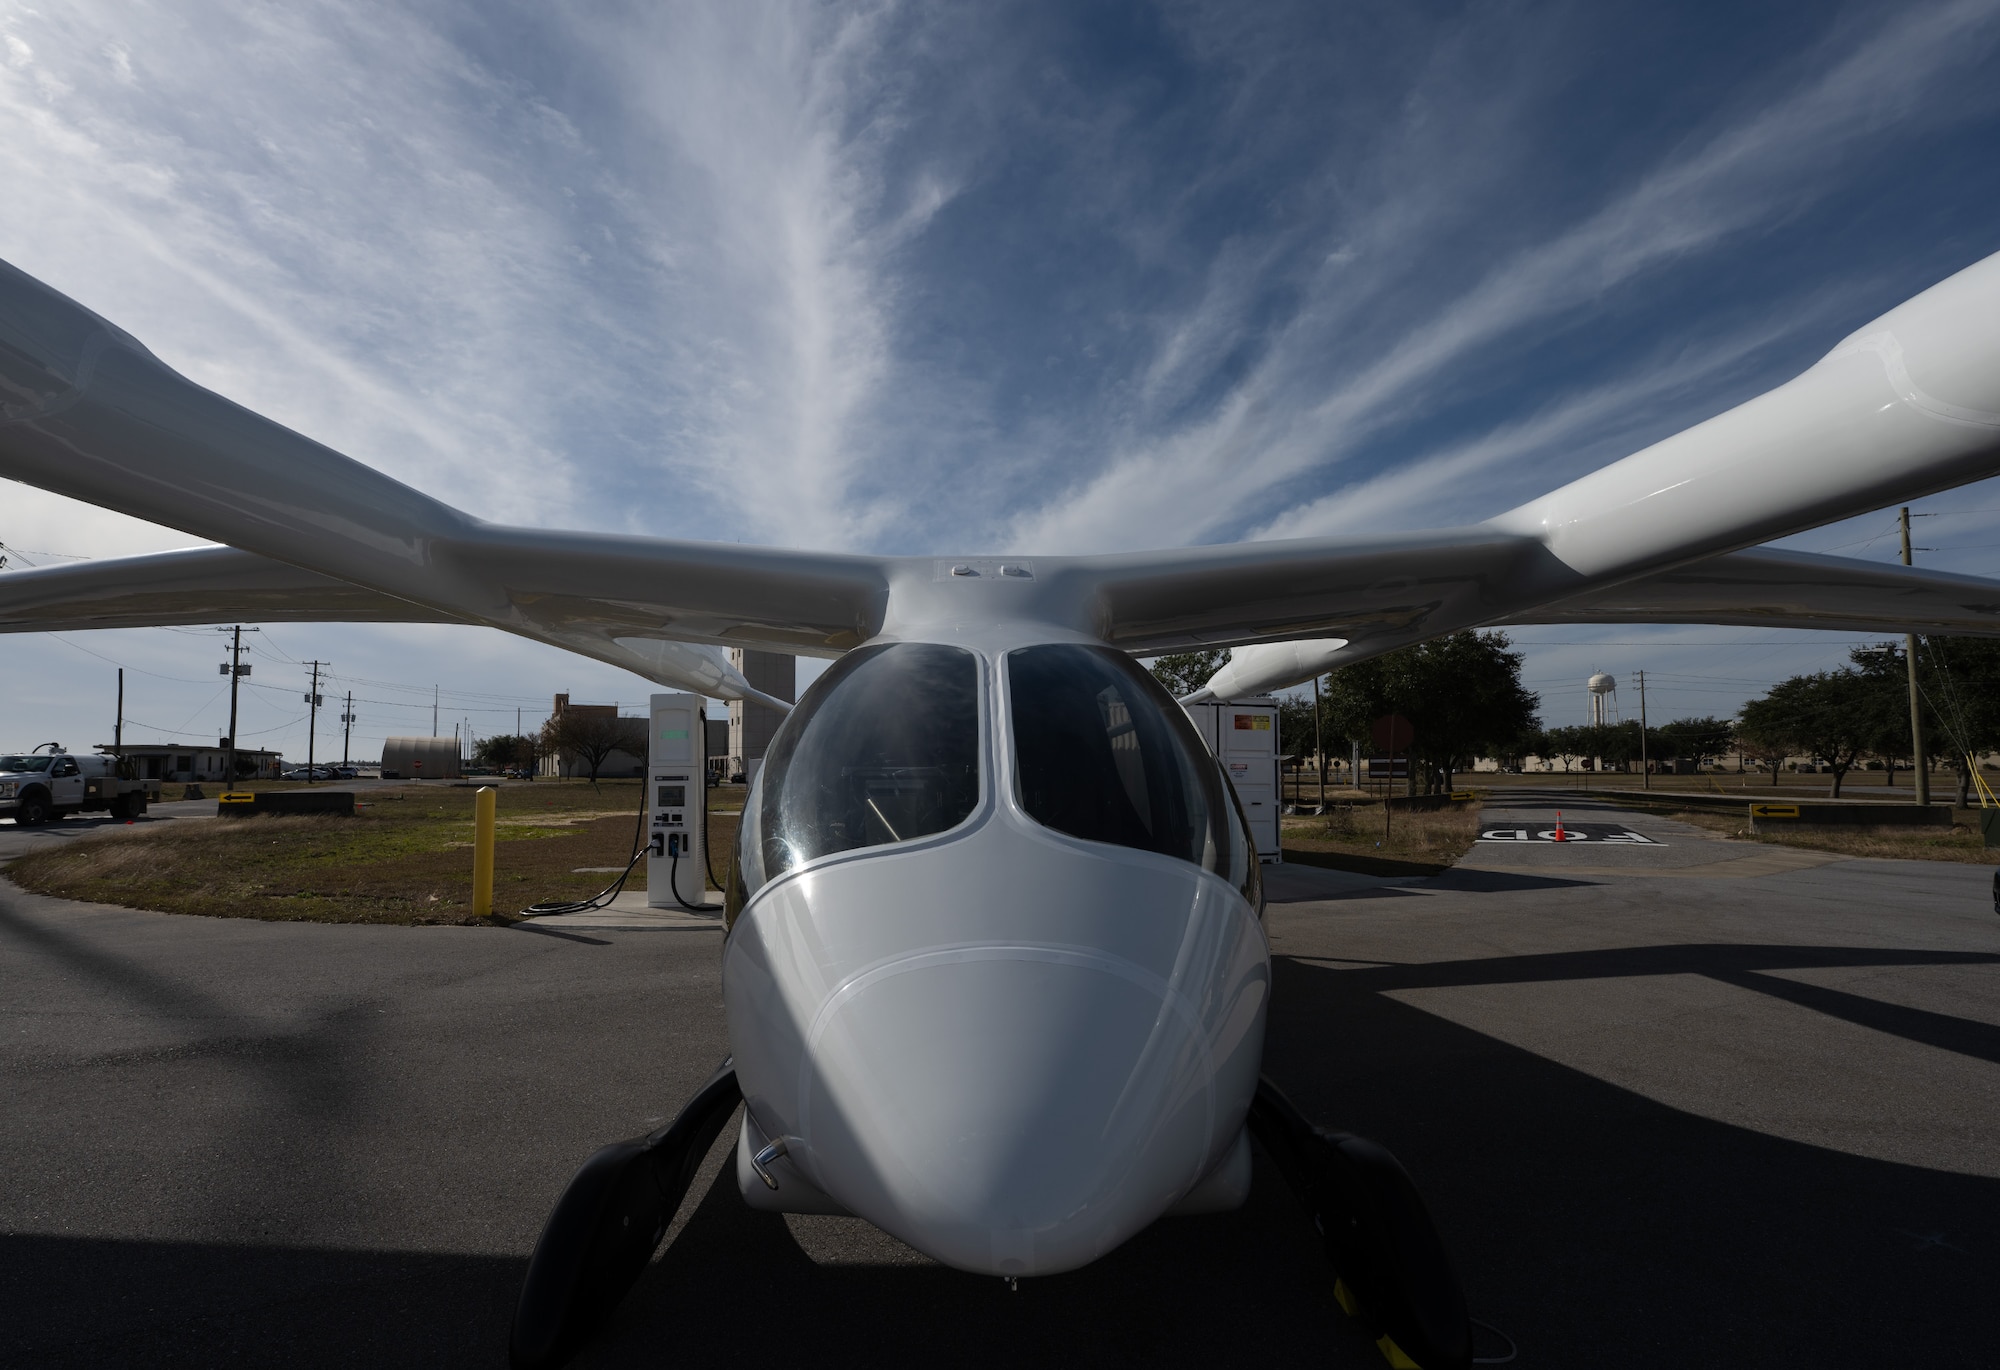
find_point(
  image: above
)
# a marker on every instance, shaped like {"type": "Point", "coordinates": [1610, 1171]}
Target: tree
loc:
{"type": "Point", "coordinates": [1959, 679]}
{"type": "Point", "coordinates": [1513, 754]}
{"type": "Point", "coordinates": [1462, 693]}
{"type": "Point", "coordinates": [1884, 667]}
{"type": "Point", "coordinates": [1295, 725]}
{"type": "Point", "coordinates": [1619, 742]}
{"type": "Point", "coordinates": [1564, 745]}
{"type": "Point", "coordinates": [587, 734]}
{"type": "Point", "coordinates": [506, 752]}
{"type": "Point", "coordinates": [1833, 716]}
{"type": "Point", "coordinates": [1700, 739]}
{"type": "Point", "coordinates": [1185, 672]}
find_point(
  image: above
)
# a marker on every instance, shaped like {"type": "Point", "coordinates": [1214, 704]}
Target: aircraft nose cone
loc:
{"type": "Point", "coordinates": [1022, 1110]}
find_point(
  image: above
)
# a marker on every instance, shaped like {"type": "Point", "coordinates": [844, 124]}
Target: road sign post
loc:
{"type": "Point", "coordinates": [1390, 734]}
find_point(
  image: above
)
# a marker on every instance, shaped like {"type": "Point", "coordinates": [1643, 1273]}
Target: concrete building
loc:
{"type": "Point", "coordinates": [162, 761]}
{"type": "Point", "coordinates": [752, 725]}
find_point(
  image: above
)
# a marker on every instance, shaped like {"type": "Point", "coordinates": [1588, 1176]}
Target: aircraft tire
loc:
{"type": "Point", "coordinates": [1392, 1268]}
{"type": "Point", "coordinates": [604, 1229]}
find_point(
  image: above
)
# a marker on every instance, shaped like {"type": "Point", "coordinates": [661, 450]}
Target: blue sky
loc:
{"type": "Point", "coordinates": [1057, 277]}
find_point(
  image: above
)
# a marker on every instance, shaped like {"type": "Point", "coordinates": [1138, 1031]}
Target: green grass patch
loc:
{"type": "Point", "coordinates": [405, 857]}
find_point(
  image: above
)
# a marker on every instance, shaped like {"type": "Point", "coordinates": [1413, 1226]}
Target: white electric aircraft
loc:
{"type": "Point", "coordinates": [995, 976]}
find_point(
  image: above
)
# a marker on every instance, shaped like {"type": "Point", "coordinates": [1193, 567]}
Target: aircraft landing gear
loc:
{"type": "Point", "coordinates": [1392, 1270]}
{"type": "Point", "coordinates": [605, 1227]}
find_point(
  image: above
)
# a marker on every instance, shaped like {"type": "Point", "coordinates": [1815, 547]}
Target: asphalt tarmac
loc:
{"type": "Point", "coordinates": [1684, 1103]}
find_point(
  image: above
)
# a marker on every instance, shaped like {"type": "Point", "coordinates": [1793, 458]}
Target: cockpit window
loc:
{"type": "Point", "coordinates": [883, 748]}
{"type": "Point", "coordinates": [1103, 753]}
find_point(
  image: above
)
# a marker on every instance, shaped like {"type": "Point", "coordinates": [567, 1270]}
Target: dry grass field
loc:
{"type": "Point", "coordinates": [1350, 838]}
{"type": "Point", "coordinates": [1957, 843]}
{"type": "Point", "coordinates": [405, 857]}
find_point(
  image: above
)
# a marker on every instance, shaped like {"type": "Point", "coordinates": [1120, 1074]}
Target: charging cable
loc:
{"type": "Point", "coordinates": [610, 891]}
{"type": "Point", "coordinates": [673, 878]}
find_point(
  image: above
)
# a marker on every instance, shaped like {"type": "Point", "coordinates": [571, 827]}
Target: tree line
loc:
{"type": "Point", "coordinates": [1464, 698]}
{"type": "Point", "coordinates": [585, 735]}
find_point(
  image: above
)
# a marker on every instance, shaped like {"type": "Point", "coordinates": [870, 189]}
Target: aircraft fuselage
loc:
{"type": "Point", "coordinates": [995, 974]}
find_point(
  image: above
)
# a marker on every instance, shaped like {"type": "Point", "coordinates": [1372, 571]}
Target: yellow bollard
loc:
{"type": "Point", "coordinates": [483, 805]}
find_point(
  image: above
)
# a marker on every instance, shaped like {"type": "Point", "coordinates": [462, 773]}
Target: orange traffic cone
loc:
{"type": "Point", "coordinates": [1561, 836]}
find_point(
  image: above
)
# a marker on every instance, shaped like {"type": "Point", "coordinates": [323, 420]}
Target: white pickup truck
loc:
{"type": "Point", "coordinates": [44, 786]}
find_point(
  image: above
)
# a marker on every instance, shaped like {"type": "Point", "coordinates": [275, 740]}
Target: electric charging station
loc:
{"type": "Point", "coordinates": [677, 771]}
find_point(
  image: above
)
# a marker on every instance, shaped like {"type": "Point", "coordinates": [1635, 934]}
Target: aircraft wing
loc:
{"type": "Point", "coordinates": [1767, 588]}
{"type": "Point", "coordinates": [1759, 588]}
{"type": "Point", "coordinates": [197, 585]}
{"type": "Point", "coordinates": [1150, 602]}
{"type": "Point", "coordinates": [87, 411]}
{"type": "Point", "coordinates": [1908, 405]}
{"type": "Point", "coordinates": [227, 585]}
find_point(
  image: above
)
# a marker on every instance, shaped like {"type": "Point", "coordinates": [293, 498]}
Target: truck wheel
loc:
{"type": "Point", "coordinates": [33, 809]}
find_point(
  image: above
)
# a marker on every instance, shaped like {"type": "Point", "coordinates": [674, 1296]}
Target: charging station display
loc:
{"type": "Point", "coordinates": [677, 772]}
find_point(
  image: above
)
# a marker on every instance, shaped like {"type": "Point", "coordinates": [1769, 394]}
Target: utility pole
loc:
{"type": "Point", "coordinates": [118, 728]}
{"type": "Point", "coordinates": [346, 728]}
{"type": "Point", "coordinates": [1319, 747]}
{"type": "Point", "coordinates": [235, 670]}
{"type": "Point", "coordinates": [434, 711]}
{"type": "Point", "coordinates": [1645, 769]}
{"type": "Point", "coordinates": [312, 716]}
{"type": "Point", "coordinates": [1917, 757]}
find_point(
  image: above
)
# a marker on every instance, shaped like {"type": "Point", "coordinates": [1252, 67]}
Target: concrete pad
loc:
{"type": "Point", "coordinates": [629, 912]}
{"type": "Point", "coordinates": [1674, 847]}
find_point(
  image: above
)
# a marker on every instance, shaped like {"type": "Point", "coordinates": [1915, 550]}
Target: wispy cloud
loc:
{"type": "Point", "coordinates": [355, 222]}
{"type": "Point", "coordinates": [762, 143]}
{"type": "Point", "coordinates": [1653, 397]}
{"type": "Point", "coordinates": [1271, 427]}
{"type": "Point", "coordinates": [901, 275]}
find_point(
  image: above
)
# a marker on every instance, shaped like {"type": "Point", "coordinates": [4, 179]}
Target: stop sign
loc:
{"type": "Point", "coordinates": [1392, 733]}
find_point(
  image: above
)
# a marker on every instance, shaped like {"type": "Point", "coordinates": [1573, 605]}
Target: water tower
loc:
{"type": "Point", "coordinates": [1603, 700]}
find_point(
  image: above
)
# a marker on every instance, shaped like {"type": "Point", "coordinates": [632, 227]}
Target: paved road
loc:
{"type": "Point", "coordinates": [1718, 1118]}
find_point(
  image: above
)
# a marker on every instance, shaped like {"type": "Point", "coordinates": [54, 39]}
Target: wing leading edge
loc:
{"type": "Point", "coordinates": [1761, 588]}
{"type": "Point", "coordinates": [1908, 405]}
{"type": "Point", "coordinates": [226, 585]}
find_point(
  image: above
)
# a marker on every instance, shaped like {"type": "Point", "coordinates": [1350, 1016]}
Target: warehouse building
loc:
{"type": "Point", "coordinates": [421, 758]}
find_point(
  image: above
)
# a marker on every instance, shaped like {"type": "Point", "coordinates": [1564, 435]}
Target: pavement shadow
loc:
{"type": "Point", "coordinates": [1596, 1226]}
{"type": "Point", "coordinates": [1600, 1227]}
{"type": "Point", "coordinates": [1472, 880]}
{"type": "Point", "coordinates": [1593, 1224]}
{"type": "Point", "coordinates": [92, 1303]}
{"type": "Point", "coordinates": [1748, 967]}
{"type": "Point", "coordinates": [1233, 1289]}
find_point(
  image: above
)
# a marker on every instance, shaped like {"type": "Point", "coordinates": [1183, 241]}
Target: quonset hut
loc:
{"type": "Point", "coordinates": [420, 758]}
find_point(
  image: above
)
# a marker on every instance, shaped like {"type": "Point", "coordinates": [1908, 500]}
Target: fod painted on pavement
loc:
{"type": "Point", "coordinates": [1597, 834]}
